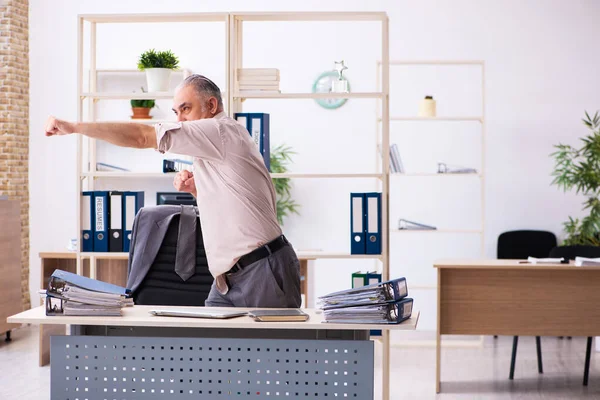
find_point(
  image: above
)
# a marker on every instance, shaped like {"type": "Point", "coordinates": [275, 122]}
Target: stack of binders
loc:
{"type": "Point", "coordinates": [72, 294]}
{"type": "Point", "coordinates": [365, 223]}
{"type": "Point", "coordinates": [107, 219]}
{"type": "Point", "coordinates": [258, 80]}
{"type": "Point", "coordinates": [258, 126]}
{"type": "Point", "coordinates": [380, 303]}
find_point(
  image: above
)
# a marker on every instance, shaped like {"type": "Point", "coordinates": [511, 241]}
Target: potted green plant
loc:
{"type": "Point", "coordinates": [280, 157]}
{"type": "Point", "coordinates": [141, 107]}
{"type": "Point", "coordinates": [580, 169]}
{"type": "Point", "coordinates": [158, 66]}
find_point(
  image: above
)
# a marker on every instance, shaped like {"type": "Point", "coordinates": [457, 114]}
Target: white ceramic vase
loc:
{"type": "Point", "coordinates": [158, 79]}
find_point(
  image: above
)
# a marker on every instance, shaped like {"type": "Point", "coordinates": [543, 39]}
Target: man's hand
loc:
{"type": "Point", "coordinates": [56, 127]}
{"type": "Point", "coordinates": [184, 182]}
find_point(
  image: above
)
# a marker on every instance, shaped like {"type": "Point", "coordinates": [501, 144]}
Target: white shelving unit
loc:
{"type": "Point", "coordinates": [396, 125]}
{"type": "Point", "coordinates": [234, 23]}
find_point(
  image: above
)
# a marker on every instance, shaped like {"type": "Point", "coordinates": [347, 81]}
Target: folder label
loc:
{"type": "Point", "coordinates": [407, 308]}
{"type": "Point", "coordinates": [372, 213]}
{"type": "Point", "coordinates": [357, 225]}
{"type": "Point", "coordinates": [100, 216]}
{"type": "Point", "coordinates": [130, 215]}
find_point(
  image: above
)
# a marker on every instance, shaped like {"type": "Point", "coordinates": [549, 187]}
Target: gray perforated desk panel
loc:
{"type": "Point", "coordinates": [139, 356]}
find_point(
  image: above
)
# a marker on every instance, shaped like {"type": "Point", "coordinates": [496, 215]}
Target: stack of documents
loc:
{"type": "Point", "coordinates": [587, 262]}
{"type": "Point", "coordinates": [258, 79]}
{"type": "Point", "coordinates": [72, 294]}
{"type": "Point", "coordinates": [534, 260]}
{"type": "Point", "coordinates": [380, 303]}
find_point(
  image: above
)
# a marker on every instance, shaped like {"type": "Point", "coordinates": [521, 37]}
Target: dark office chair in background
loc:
{"type": "Point", "coordinates": [570, 252]}
{"type": "Point", "coordinates": [521, 244]}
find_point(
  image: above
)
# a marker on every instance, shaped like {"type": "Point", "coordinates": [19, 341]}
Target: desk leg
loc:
{"type": "Point", "coordinates": [438, 336]}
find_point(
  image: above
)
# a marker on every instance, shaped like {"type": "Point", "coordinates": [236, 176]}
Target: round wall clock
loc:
{"type": "Point", "coordinates": [323, 85]}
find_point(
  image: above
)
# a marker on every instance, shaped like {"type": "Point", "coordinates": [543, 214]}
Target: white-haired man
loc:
{"type": "Point", "coordinates": [252, 262]}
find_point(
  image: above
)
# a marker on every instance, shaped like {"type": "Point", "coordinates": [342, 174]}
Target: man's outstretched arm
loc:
{"type": "Point", "coordinates": [139, 136]}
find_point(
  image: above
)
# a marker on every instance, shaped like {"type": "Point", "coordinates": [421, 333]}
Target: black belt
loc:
{"type": "Point", "coordinates": [258, 254]}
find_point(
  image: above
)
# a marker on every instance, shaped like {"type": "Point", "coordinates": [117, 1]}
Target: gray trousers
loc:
{"type": "Point", "coordinates": [272, 282]}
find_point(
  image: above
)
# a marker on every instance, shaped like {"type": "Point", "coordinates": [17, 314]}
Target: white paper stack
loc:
{"type": "Point", "coordinates": [258, 80]}
{"type": "Point", "coordinates": [587, 262]}
{"type": "Point", "coordinates": [534, 260]}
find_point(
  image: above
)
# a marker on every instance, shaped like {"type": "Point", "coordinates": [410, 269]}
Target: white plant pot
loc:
{"type": "Point", "coordinates": [158, 79]}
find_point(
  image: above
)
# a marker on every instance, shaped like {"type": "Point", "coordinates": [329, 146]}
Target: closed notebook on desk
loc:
{"type": "Point", "coordinates": [274, 315]}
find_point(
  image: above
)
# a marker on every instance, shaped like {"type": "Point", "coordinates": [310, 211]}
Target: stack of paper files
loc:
{"type": "Point", "coordinates": [587, 262]}
{"type": "Point", "coordinates": [258, 79]}
{"type": "Point", "coordinates": [380, 303]}
{"type": "Point", "coordinates": [534, 260]}
{"type": "Point", "coordinates": [72, 294]}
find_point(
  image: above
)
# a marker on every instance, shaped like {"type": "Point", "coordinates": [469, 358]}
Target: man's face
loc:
{"type": "Point", "coordinates": [188, 105]}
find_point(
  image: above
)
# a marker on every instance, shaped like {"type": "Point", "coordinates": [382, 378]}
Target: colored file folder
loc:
{"type": "Point", "coordinates": [383, 292]}
{"type": "Point", "coordinates": [360, 279]}
{"type": "Point", "coordinates": [258, 126]}
{"type": "Point", "coordinates": [389, 313]}
{"type": "Point", "coordinates": [132, 202]}
{"type": "Point", "coordinates": [357, 222]}
{"type": "Point", "coordinates": [87, 221]}
{"type": "Point", "coordinates": [373, 223]}
{"type": "Point", "coordinates": [115, 242]}
{"type": "Point", "coordinates": [101, 207]}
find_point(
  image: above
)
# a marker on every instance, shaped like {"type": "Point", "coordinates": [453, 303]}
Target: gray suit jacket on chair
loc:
{"type": "Point", "coordinates": [149, 228]}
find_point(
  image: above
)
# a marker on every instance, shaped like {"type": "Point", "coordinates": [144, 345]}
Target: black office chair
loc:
{"type": "Point", "coordinates": [521, 244]}
{"type": "Point", "coordinates": [570, 252]}
{"type": "Point", "coordinates": [162, 286]}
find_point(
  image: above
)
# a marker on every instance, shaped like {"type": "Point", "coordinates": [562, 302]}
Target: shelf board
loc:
{"type": "Point", "coordinates": [105, 255]}
{"type": "Point", "coordinates": [117, 174]}
{"type": "Point", "coordinates": [323, 254]}
{"type": "Point", "coordinates": [276, 95]}
{"type": "Point", "coordinates": [440, 119]}
{"type": "Point", "coordinates": [128, 96]}
{"type": "Point", "coordinates": [473, 231]}
{"type": "Point", "coordinates": [174, 17]}
{"type": "Point", "coordinates": [300, 175]}
{"type": "Point", "coordinates": [138, 121]}
{"type": "Point", "coordinates": [398, 175]}
{"type": "Point", "coordinates": [300, 254]}
{"type": "Point", "coordinates": [310, 16]}
{"type": "Point", "coordinates": [435, 62]}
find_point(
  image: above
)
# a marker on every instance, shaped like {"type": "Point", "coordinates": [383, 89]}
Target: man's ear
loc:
{"type": "Point", "coordinates": [213, 105]}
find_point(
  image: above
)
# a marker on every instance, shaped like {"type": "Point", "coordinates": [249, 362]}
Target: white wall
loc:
{"type": "Point", "coordinates": [540, 77]}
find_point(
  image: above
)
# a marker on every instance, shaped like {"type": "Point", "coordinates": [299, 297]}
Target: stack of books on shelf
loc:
{"type": "Point", "coordinates": [380, 303]}
{"type": "Point", "coordinates": [258, 80]}
{"type": "Point", "coordinates": [444, 168]}
{"type": "Point", "coordinates": [71, 294]}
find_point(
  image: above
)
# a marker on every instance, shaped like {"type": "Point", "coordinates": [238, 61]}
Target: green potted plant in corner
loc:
{"type": "Point", "coordinates": [158, 66]}
{"type": "Point", "coordinates": [579, 169]}
{"type": "Point", "coordinates": [280, 157]}
{"type": "Point", "coordinates": [141, 107]}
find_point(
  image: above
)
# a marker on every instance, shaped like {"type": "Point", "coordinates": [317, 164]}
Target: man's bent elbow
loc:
{"type": "Point", "coordinates": [147, 140]}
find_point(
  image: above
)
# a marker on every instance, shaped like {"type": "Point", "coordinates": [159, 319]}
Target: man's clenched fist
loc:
{"type": "Point", "coordinates": [184, 182]}
{"type": "Point", "coordinates": [58, 127]}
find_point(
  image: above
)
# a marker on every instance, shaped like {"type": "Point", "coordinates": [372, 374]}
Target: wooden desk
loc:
{"type": "Point", "coordinates": [187, 357]}
{"type": "Point", "coordinates": [107, 267]}
{"type": "Point", "coordinates": [505, 297]}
